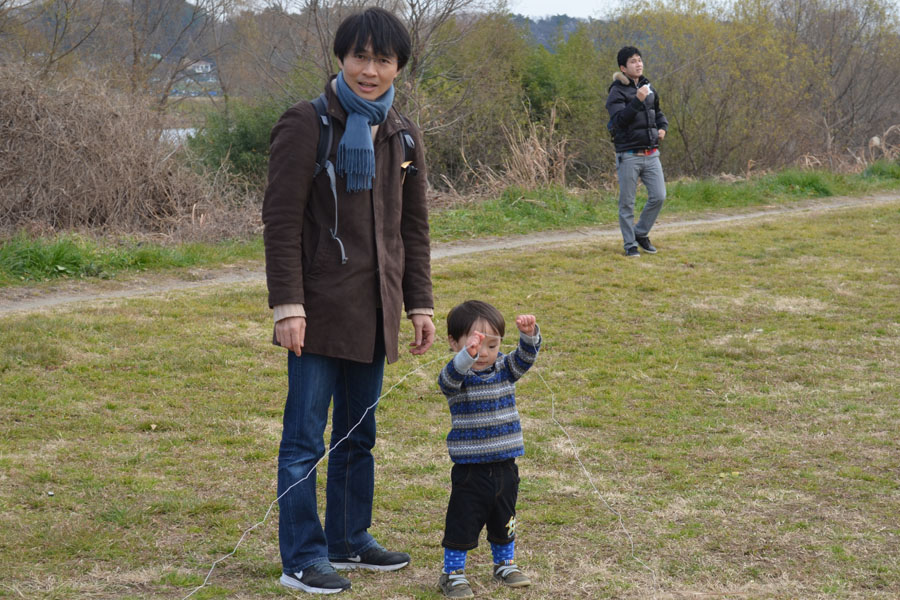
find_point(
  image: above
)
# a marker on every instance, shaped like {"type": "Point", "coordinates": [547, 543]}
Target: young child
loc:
{"type": "Point", "coordinates": [479, 383]}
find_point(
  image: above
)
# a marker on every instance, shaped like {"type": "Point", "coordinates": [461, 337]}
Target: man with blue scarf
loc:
{"type": "Point", "coordinates": [347, 249]}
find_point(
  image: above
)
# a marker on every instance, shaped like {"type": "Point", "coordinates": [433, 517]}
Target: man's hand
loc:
{"type": "Point", "coordinates": [526, 324]}
{"type": "Point", "coordinates": [662, 134]}
{"type": "Point", "coordinates": [290, 333]}
{"type": "Point", "coordinates": [643, 92]}
{"type": "Point", "coordinates": [473, 343]}
{"type": "Point", "coordinates": [424, 328]}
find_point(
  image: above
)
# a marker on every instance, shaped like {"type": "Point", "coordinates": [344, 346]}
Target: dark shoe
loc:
{"type": "Point", "coordinates": [511, 575]}
{"type": "Point", "coordinates": [633, 252]}
{"type": "Point", "coordinates": [374, 559]}
{"type": "Point", "coordinates": [316, 579]}
{"type": "Point", "coordinates": [455, 585]}
{"type": "Point", "coordinates": [644, 242]}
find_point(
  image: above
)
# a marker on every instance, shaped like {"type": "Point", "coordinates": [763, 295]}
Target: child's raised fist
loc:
{"type": "Point", "coordinates": [526, 323]}
{"type": "Point", "coordinates": [473, 343]}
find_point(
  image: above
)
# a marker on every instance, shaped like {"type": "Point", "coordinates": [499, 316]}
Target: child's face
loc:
{"type": "Point", "coordinates": [490, 347]}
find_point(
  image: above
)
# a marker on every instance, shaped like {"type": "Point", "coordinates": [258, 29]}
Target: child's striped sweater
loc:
{"type": "Point", "coordinates": [485, 422]}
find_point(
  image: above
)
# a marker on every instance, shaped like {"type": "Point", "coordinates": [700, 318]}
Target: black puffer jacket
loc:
{"type": "Point", "coordinates": [635, 124]}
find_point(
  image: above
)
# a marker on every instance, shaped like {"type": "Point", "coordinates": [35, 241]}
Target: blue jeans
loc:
{"type": "Point", "coordinates": [313, 380]}
{"type": "Point", "coordinates": [629, 168]}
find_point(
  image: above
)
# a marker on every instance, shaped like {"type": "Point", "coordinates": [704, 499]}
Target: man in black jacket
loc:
{"type": "Point", "coordinates": [638, 127]}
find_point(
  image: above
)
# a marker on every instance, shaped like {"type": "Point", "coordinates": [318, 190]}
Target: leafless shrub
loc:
{"type": "Point", "coordinates": [887, 145]}
{"type": "Point", "coordinates": [536, 157]}
{"type": "Point", "coordinates": [856, 160]}
{"type": "Point", "coordinates": [808, 161]}
{"type": "Point", "coordinates": [848, 162]}
{"type": "Point", "coordinates": [76, 155]}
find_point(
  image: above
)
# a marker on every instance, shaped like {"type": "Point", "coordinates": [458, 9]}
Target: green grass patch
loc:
{"type": "Point", "coordinates": [24, 259]}
{"type": "Point", "coordinates": [883, 169]}
{"type": "Point", "coordinates": [519, 211]}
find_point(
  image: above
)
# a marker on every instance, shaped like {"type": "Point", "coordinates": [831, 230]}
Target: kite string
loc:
{"type": "Point", "coordinates": [590, 480]}
{"type": "Point", "coordinates": [584, 469]}
{"type": "Point", "coordinates": [305, 477]}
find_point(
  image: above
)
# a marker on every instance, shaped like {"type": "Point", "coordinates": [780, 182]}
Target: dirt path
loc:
{"type": "Point", "coordinates": [62, 294]}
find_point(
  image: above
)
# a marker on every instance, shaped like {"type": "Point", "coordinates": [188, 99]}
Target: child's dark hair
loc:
{"type": "Point", "coordinates": [463, 316]}
{"type": "Point", "coordinates": [386, 33]}
{"type": "Point", "coordinates": [626, 53]}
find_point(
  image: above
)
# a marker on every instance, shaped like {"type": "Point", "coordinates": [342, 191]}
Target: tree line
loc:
{"type": "Point", "coordinates": [749, 85]}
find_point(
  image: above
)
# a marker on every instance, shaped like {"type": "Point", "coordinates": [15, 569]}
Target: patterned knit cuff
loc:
{"type": "Point", "coordinates": [531, 340]}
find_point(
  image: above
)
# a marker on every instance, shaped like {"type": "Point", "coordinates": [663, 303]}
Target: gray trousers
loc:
{"type": "Point", "coordinates": [630, 167]}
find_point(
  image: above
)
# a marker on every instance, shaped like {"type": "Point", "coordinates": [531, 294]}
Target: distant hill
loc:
{"type": "Point", "coordinates": [546, 31]}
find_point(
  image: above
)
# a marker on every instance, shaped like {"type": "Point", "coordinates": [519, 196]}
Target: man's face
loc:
{"type": "Point", "coordinates": [634, 67]}
{"type": "Point", "coordinates": [369, 75]}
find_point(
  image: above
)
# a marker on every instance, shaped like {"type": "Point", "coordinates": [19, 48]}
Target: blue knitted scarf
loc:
{"type": "Point", "coordinates": [356, 154]}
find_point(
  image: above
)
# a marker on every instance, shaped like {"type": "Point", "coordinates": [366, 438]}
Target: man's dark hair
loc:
{"type": "Point", "coordinates": [626, 53]}
{"type": "Point", "coordinates": [385, 31]}
{"type": "Point", "coordinates": [463, 316]}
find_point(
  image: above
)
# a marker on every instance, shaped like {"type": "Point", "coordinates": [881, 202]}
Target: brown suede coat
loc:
{"type": "Point", "coordinates": [384, 232]}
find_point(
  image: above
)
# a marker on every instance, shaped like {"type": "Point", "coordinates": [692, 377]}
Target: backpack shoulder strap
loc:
{"type": "Point", "coordinates": [409, 146]}
{"type": "Point", "coordinates": [326, 133]}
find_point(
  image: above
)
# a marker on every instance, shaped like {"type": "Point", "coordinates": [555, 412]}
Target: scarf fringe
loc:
{"type": "Point", "coordinates": [356, 154]}
{"type": "Point", "coordinates": [357, 166]}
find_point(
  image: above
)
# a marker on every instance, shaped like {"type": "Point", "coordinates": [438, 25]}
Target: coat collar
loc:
{"type": "Point", "coordinates": [620, 77]}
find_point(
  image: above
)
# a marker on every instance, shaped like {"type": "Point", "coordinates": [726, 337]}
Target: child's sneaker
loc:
{"type": "Point", "coordinates": [511, 575]}
{"type": "Point", "coordinates": [455, 585]}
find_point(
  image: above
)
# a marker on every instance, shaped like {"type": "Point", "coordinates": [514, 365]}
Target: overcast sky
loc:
{"type": "Point", "coordinates": [574, 8]}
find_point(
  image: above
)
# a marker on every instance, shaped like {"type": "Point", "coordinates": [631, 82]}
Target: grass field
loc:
{"type": "Point", "coordinates": [733, 398]}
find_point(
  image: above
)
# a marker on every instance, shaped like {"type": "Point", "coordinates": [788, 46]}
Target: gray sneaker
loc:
{"type": "Point", "coordinates": [511, 575]}
{"type": "Point", "coordinates": [633, 252]}
{"type": "Point", "coordinates": [455, 585]}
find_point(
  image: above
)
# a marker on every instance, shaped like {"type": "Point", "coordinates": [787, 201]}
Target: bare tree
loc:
{"type": "Point", "coordinates": [71, 23]}
{"type": "Point", "coordinates": [9, 24]}
{"type": "Point", "coordinates": [142, 46]}
{"type": "Point", "coordinates": [293, 40]}
{"type": "Point", "coordinates": [8, 9]}
{"type": "Point", "coordinates": [855, 48]}
{"type": "Point", "coordinates": [47, 32]}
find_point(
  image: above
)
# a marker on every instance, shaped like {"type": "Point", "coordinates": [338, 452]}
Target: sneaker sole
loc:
{"type": "Point", "coordinates": [455, 593]}
{"type": "Point", "coordinates": [520, 584]}
{"type": "Point", "coordinates": [299, 585]}
{"type": "Point", "coordinates": [649, 251]}
{"type": "Point", "coordinates": [350, 566]}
